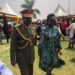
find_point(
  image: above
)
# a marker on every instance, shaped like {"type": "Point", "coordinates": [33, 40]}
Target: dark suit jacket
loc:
{"type": "Point", "coordinates": [21, 46]}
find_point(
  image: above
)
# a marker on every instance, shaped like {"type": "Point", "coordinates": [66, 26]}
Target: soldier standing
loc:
{"type": "Point", "coordinates": [22, 44]}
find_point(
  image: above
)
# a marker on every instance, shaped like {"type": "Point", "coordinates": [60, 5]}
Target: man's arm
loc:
{"type": "Point", "coordinates": [13, 46]}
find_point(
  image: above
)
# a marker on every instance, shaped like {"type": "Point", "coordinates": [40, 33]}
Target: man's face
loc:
{"type": "Point", "coordinates": [27, 20]}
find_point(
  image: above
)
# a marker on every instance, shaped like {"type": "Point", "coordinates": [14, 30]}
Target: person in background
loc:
{"type": "Point", "coordinates": [71, 31]}
{"type": "Point", "coordinates": [5, 28]}
{"type": "Point", "coordinates": [38, 25]}
{"type": "Point", "coordinates": [10, 29]}
{"type": "Point", "coordinates": [63, 27]}
{"type": "Point", "coordinates": [22, 44]}
{"type": "Point", "coordinates": [38, 29]}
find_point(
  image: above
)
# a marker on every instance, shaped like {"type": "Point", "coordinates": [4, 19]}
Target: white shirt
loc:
{"type": "Point", "coordinates": [71, 27]}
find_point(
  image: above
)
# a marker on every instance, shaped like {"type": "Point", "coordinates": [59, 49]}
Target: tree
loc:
{"type": "Point", "coordinates": [0, 8]}
{"type": "Point", "coordinates": [30, 4]}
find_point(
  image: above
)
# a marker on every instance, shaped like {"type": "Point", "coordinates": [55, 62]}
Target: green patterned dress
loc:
{"type": "Point", "coordinates": [49, 47]}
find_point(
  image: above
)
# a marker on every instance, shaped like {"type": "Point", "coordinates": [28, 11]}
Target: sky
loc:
{"type": "Point", "coordinates": [45, 6]}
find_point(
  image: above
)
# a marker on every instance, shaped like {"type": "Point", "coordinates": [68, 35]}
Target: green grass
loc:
{"type": "Point", "coordinates": [67, 54]}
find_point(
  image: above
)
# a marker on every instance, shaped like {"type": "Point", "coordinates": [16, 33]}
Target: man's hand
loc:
{"type": "Point", "coordinates": [13, 63]}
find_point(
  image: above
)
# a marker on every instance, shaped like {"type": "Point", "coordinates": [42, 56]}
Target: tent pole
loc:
{"type": "Point", "coordinates": [17, 20]}
{"type": "Point", "coordinates": [68, 7]}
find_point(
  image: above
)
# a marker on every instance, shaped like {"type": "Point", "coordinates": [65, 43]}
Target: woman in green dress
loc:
{"type": "Point", "coordinates": [49, 45]}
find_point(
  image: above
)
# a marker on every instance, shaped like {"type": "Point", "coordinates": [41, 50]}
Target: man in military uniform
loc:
{"type": "Point", "coordinates": [22, 45]}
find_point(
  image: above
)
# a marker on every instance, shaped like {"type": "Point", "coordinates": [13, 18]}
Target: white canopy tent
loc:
{"type": "Point", "coordinates": [60, 11]}
{"type": "Point", "coordinates": [7, 10]}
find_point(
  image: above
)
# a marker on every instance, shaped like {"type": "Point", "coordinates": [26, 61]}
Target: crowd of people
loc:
{"type": "Point", "coordinates": [5, 29]}
{"type": "Point", "coordinates": [48, 33]}
{"type": "Point", "coordinates": [5, 33]}
{"type": "Point", "coordinates": [64, 24]}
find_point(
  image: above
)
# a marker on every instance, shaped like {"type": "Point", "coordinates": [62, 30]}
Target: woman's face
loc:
{"type": "Point", "coordinates": [51, 21]}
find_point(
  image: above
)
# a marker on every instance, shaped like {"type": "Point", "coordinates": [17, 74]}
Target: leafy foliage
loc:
{"type": "Point", "coordinates": [30, 4]}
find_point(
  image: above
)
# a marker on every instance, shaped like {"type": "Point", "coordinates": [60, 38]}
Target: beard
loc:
{"type": "Point", "coordinates": [27, 21]}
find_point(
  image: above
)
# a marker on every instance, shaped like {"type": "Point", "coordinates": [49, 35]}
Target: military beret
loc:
{"type": "Point", "coordinates": [27, 12]}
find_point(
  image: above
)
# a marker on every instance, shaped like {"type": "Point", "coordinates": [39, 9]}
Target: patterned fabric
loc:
{"type": "Point", "coordinates": [49, 47]}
